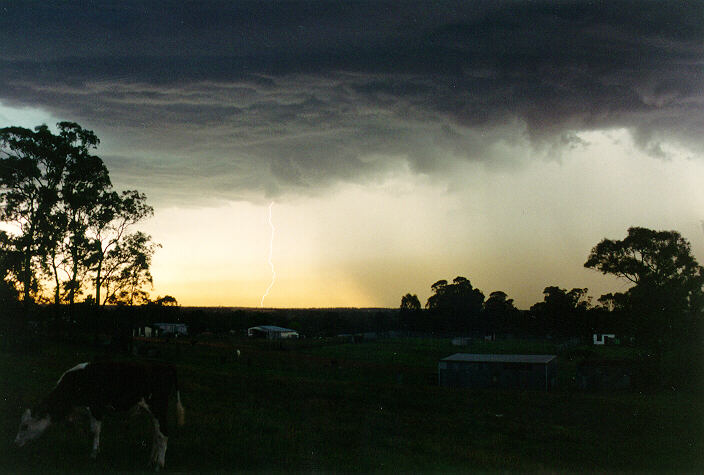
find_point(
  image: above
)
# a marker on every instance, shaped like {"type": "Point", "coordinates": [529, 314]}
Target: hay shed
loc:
{"type": "Point", "coordinates": [271, 332]}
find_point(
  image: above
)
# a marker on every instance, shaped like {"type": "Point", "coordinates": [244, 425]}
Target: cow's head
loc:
{"type": "Point", "coordinates": [31, 427]}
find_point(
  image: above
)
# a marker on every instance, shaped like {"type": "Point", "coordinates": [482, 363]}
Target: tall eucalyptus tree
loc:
{"type": "Point", "coordinates": [69, 226]}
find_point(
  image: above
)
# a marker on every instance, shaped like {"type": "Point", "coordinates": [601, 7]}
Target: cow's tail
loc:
{"type": "Point", "coordinates": [180, 411]}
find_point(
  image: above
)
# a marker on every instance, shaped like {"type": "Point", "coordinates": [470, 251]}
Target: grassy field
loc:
{"type": "Point", "coordinates": [374, 406]}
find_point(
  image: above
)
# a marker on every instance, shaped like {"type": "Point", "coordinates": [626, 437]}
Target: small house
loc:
{"type": "Point", "coordinates": [605, 339]}
{"type": "Point", "coordinates": [271, 332]}
{"type": "Point", "coordinates": [479, 371]}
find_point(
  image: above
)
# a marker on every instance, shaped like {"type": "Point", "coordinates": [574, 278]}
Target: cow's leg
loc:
{"type": "Point", "coordinates": [159, 410]}
{"type": "Point", "coordinates": [160, 443]}
{"type": "Point", "coordinates": [95, 426]}
{"type": "Point", "coordinates": [157, 458]}
{"type": "Point", "coordinates": [153, 455]}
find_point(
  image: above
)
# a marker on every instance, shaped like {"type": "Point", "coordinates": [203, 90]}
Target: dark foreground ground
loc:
{"type": "Point", "coordinates": [371, 406]}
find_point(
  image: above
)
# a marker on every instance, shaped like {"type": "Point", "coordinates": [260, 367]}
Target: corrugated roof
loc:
{"type": "Point", "coordinates": [272, 328]}
{"type": "Point", "coordinates": [480, 358]}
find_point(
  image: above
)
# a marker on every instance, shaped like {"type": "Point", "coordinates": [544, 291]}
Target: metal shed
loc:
{"type": "Point", "coordinates": [271, 332]}
{"type": "Point", "coordinates": [477, 371]}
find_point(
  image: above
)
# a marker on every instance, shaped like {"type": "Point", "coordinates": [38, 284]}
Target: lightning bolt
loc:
{"type": "Point", "coordinates": [271, 252]}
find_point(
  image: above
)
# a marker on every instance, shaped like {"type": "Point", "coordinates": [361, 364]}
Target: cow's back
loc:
{"type": "Point", "coordinates": [116, 384]}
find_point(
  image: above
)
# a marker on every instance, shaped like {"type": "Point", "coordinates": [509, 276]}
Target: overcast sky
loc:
{"type": "Point", "coordinates": [401, 142]}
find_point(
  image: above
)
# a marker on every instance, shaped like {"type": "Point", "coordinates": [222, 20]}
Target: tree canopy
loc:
{"type": "Point", "coordinates": [66, 219]}
{"type": "Point", "coordinates": [647, 257]}
{"type": "Point", "coordinates": [499, 313]}
{"type": "Point", "coordinates": [458, 304]}
{"type": "Point", "coordinates": [410, 303]}
{"type": "Point", "coordinates": [562, 312]}
{"type": "Point", "coordinates": [667, 295]}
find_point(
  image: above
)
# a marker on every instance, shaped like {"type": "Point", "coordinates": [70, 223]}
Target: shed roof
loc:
{"type": "Point", "coordinates": [272, 328]}
{"type": "Point", "coordinates": [492, 358]}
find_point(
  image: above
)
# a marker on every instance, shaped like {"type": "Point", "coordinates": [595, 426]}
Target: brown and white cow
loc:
{"type": "Point", "coordinates": [108, 385]}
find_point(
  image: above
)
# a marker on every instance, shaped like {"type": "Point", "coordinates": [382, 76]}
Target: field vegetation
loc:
{"type": "Point", "coordinates": [372, 406]}
{"type": "Point", "coordinates": [75, 275]}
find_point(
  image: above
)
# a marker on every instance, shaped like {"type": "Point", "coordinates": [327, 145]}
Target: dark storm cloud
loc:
{"type": "Point", "coordinates": [256, 96]}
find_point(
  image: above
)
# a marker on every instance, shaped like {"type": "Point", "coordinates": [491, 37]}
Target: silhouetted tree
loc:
{"type": "Point", "coordinates": [612, 315]}
{"type": "Point", "coordinates": [8, 262]}
{"type": "Point", "coordinates": [129, 263]}
{"type": "Point", "coordinates": [166, 301]}
{"type": "Point", "coordinates": [113, 217]}
{"type": "Point", "coordinates": [410, 312]}
{"type": "Point", "coordinates": [499, 314]}
{"type": "Point", "coordinates": [666, 301]}
{"type": "Point", "coordinates": [85, 187]}
{"type": "Point", "coordinates": [66, 220]}
{"type": "Point", "coordinates": [32, 165]}
{"type": "Point", "coordinates": [410, 302]}
{"type": "Point", "coordinates": [457, 305]}
{"type": "Point", "coordinates": [563, 313]}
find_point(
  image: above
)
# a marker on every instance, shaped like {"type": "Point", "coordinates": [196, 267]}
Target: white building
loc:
{"type": "Point", "coordinates": [605, 338]}
{"type": "Point", "coordinates": [271, 332]}
{"type": "Point", "coordinates": [145, 331]}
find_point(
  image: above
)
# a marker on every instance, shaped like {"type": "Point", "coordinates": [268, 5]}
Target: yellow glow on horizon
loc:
{"type": "Point", "coordinates": [517, 230]}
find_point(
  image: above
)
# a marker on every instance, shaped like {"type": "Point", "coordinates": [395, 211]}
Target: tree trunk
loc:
{"type": "Point", "coordinates": [27, 278]}
{"type": "Point", "coordinates": [72, 291]}
{"type": "Point", "coordinates": [57, 289]}
{"type": "Point", "coordinates": [74, 275]}
{"type": "Point", "coordinates": [98, 281]}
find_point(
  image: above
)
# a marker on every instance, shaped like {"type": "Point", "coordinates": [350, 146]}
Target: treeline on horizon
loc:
{"type": "Point", "coordinates": [658, 312]}
{"type": "Point", "coordinates": [662, 309]}
{"type": "Point", "coordinates": [70, 257]}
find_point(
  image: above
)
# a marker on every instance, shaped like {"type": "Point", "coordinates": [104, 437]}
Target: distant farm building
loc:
{"type": "Point", "coordinates": [144, 330]}
{"type": "Point", "coordinates": [605, 339]}
{"type": "Point", "coordinates": [171, 328]}
{"type": "Point", "coordinates": [271, 332]}
{"type": "Point", "coordinates": [161, 329]}
{"type": "Point", "coordinates": [465, 370]}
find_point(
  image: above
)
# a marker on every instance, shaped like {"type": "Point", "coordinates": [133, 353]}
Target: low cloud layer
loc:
{"type": "Point", "coordinates": [262, 99]}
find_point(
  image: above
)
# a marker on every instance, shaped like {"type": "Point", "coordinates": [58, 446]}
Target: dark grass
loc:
{"type": "Point", "coordinates": [362, 407]}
